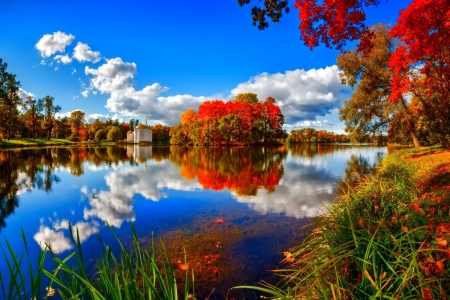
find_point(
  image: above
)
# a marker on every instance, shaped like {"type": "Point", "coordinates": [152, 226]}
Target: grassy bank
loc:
{"type": "Point", "coordinates": [386, 239]}
{"type": "Point", "coordinates": [28, 142]}
{"type": "Point", "coordinates": [135, 273]}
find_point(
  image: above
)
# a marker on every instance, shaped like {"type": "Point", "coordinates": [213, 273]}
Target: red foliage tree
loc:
{"type": "Point", "coordinates": [421, 64]}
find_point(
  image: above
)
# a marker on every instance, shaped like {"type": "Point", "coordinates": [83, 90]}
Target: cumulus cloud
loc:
{"type": "Point", "coordinates": [83, 53]}
{"type": "Point", "coordinates": [55, 239]}
{"type": "Point", "coordinates": [92, 117]}
{"type": "Point", "coordinates": [50, 44]}
{"type": "Point", "coordinates": [116, 78]}
{"type": "Point", "coordinates": [24, 94]}
{"type": "Point", "coordinates": [309, 123]}
{"type": "Point", "coordinates": [115, 75]}
{"type": "Point", "coordinates": [64, 59]}
{"type": "Point", "coordinates": [301, 94]}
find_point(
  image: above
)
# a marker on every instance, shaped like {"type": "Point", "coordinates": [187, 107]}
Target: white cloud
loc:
{"type": "Point", "coordinates": [116, 78]}
{"type": "Point", "coordinates": [64, 59]}
{"type": "Point", "coordinates": [24, 94]}
{"type": "Point", "coordinates": [103, 118]}
{"type": "Point", "coordinates": [115, 75]}
{"type": "Point", "coordinates": [302, 95]}
{"type": "Point", "coordinates": [50, 44]}
{"type": "Point", "coordinates": [55, 239]}
{"type": "Point", "coordinates": [83, 53]}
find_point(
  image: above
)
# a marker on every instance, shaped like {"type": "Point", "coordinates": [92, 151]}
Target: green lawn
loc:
{"type": "Point", "coordinates": [24, 142]}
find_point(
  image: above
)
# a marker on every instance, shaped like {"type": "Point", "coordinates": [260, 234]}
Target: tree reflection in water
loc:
{"type": "Point", "coordinates": [27, 169]}
{"type": "Point", "coordinates": [243, 170]}
{"type": "Point", "coordinates": [358, 168]}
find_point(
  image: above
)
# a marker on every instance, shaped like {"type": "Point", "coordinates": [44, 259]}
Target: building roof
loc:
{"type": "Point", "coordinates": [141, 126]}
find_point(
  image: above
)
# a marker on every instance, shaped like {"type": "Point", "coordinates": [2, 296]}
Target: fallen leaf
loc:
{"type": "Point", "coordinates": [440, 268]}
{"type": "Point", "coordinates": [442, 242]}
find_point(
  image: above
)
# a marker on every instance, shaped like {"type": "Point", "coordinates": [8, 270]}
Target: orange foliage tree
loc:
{"type": "Point", "coordinates": [242, 121]}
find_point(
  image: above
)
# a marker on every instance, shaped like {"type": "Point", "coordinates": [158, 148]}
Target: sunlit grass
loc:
{"type": "Point", "coordinates": [382, 240]}
{"type": "Point", "coordinates": [132, 274]}
{"type": "Point", "coordinates": [33, 142]}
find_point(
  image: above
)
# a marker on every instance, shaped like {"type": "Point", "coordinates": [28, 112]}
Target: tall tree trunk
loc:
{"type": "Point", "coordinates": [410, 124]}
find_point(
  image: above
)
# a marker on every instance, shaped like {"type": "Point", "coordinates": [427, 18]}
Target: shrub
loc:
{"type": "Point", "coordinates": [100, 135]}
{"type": "Point", "coordinates": [114, 134]}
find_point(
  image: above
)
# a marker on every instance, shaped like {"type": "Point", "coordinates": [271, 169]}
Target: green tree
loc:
{"type": "Point", "coordinates": [228, 128]}
{"type": "Point", "coordinates": [250, 98]}
{"type": "Point", "coordinates": [94, 127]}
{"type": "Point", "coordinates": [33, 115]}
{"type": "Point", "coordinates": [76, 122]}
{"type": "Point", "coordinates": [50, 111]}
{"type": "Point", "coordinates": [114, 134]}
{"type": "Point", "coordinates": [100, 135]}
{"type": "Point", "coordinates": [9, 102]}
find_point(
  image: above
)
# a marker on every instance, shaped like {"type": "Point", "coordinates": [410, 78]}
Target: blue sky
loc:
{"type": "Point", "coordinates": [130, 59]}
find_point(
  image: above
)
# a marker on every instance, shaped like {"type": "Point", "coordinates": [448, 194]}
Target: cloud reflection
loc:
{"type": "Point", "coordinates": [116, 205]}
{"type": "Point", "coordinates": [54, 239]}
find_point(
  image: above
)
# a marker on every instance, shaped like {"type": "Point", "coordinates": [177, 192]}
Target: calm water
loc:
{"type": "Point", "coordinates": [263, 195]}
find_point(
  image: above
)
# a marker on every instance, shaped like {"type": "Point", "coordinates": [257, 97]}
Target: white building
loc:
{"type": "Point", "coordinates": [141, 134]}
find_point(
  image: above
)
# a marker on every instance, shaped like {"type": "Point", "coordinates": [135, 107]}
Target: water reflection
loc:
{"type": "Point", "coordinates": [262, 193]}
{"type": "Point", "coordinates": [242, 170]}
{"type": "Point", "coordinates": [295, 181]}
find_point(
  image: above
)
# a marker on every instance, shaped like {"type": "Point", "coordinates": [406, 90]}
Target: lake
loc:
{"type": "Point", "coordinates": [233, 209]}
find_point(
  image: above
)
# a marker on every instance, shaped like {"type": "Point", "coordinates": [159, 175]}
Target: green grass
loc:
{"type": "Point", "coordinates": [133, 274]}
{"type": "Point", "coordinates": [29, 142]}
{"type": "Point", "coordinates": [372, 244]}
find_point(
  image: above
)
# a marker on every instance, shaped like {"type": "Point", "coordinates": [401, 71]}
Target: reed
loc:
{"type": "Point", "coordinates": [132, 274]}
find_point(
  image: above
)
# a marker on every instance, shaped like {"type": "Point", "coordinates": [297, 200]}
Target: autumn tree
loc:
{"type": "Point", "coordinates": [114, 134]}
{"type": "Point", "coordinates": [178, 135]}
{"type": "Point", "coordinates": [33, 114]}
{"type": "Point", "coordinates": [94, 127]}
{"type": "Point", "coordinates": [188, 117]}
{"type": "Point", "coordinates": [250, 98]}
{"type": "Point", "coordinates": [76, 122]}
{"type": "Point", "coordinates": [100, 135]}
{"type": "Point", "coordinates": [9, 101]}
{"type": "Point", "coordinates": [368, 111]}
{"type": "Point", "coordinates": [332, 23]}
{"type": "Point", "coordinates": [421, 64]}
{"type": "Point", "coordinates": [50, 110]}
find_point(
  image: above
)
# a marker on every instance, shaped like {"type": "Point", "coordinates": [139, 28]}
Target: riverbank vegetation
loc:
{"type": "Point", "coordinates": [388, 237]}
{"type": "Point", "coordinates": [132, 273]}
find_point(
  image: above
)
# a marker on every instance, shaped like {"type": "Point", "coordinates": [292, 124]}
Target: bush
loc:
{"type": "Point", "coordinates": [114, 134]}
{"type": "Point", "coordinates": [73, 138]}
{"type": "Point", "coordinates": [100, 135]}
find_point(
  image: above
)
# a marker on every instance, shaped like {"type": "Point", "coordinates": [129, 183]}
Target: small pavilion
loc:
{"type": "Point", "coordinates": [141, 134]}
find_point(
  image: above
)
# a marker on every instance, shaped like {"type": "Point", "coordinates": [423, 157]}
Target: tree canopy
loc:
{"type": "Point", "coordinates": [420, 62]}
